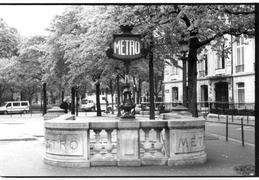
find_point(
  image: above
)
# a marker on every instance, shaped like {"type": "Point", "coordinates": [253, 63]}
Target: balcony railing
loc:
{"type": "Point", "coordinates": [240, 68]}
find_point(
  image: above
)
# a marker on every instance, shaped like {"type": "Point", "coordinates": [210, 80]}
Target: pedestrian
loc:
{"type": "Point", "coordinates": [65, 104]}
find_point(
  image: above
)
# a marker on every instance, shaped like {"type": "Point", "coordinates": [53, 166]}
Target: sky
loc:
{"type": "Point", "coordinates": [30, 20]}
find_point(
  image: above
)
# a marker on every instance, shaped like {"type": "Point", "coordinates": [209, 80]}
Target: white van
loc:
{"type": "Point", "coordinates": [87, 105]}
{"type": "Point", "coordinates": [15, 107]}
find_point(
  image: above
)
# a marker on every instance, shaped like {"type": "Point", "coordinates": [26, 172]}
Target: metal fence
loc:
{"type": "Point", "coordinates": [206, 107]}
{"type": "Point", "coordinates": [242, 109]}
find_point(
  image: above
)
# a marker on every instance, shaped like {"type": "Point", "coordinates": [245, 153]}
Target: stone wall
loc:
{"type": "Point", "coordinates": [114, 142]}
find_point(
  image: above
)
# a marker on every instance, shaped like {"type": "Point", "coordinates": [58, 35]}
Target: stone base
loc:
{"type": "Point", "coordinates": [187, 161]}
{"type": "Point", "coordinates": [67, 163]}
{"type": "Point", "coordinates": [103, 162]}
{"type": "Point", "coordinates": [157, 161]}
{"type": "Point", "coordinates": [129, 162]}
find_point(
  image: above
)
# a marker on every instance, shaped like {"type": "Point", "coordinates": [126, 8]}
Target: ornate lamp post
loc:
{"type": "Point", "coordinates": [184, 47]}
{"type": "Point", "coordinates": [126, 47]}
{"type": "Point", "coordinates": [118, 94]}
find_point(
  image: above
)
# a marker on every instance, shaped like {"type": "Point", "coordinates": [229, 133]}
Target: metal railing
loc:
{"type": "Point", "coordinates": [202, 73]}
{"type": "Point", "coordinates": [162, 106]}
{"type": "Point", "coordinates": [240, 68]}
{"type": "Point", "coordinates": [206, 107]}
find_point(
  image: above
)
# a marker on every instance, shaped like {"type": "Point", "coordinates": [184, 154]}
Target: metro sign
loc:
{"type": "Point", "coordinates": [126, 47]}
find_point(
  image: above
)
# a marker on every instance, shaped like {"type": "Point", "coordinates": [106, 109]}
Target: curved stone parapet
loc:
{"type": "Point", "coordinates": [66, 142]}
{"type": "Point", "coordinates": [174, 142]}
{"type": "Point", "coordinates": [186, 144]}
{"type": "Point", "coordinates": [54, 113]}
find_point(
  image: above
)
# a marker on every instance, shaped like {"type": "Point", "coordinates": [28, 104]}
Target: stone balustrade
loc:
{"type": "Point", "coordinates": [114, 142]}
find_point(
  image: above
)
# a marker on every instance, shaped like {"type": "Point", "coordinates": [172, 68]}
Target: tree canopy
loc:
{"type": "Point", "coordinates": [74, 51]}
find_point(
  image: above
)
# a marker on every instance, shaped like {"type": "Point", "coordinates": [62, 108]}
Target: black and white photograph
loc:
{"type": "Point", "coordinates": [129, 90]}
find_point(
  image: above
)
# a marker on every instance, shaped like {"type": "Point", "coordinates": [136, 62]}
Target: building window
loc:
{"type": "Point", "coordinates": [241, 94]}
{"type": "Point", "coordinates": [240, 55]}
{"type": "Point", "coordinates": [174, 70]}
{"type": "Point", "coordinates": [204, 95]}
{"type": "Point", "coordinates": [175, 94]}
{"type": "Point", "coordinates": [204, 66]}
{"type": "Point", "coordinates": [220, 62]}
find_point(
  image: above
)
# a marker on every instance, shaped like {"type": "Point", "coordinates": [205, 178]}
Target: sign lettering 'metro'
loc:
{"type": "Point", "coordinates": [126, 47]}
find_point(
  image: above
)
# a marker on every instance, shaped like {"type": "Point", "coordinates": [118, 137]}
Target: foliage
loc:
{"type": "Point", "coordinates": [74, 52]}
{"type": "Point", "coordinates": [5, 74]}
{"type": "Point", "coordinates": [245, 170]}
{"type": "Point", "coordinates": [9, 40]}
{"type": "Point", "coordinates": [201, 24]}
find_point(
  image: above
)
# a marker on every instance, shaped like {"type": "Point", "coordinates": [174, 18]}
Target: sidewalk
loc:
{"type": "Point", "coordinates": [25, 158]}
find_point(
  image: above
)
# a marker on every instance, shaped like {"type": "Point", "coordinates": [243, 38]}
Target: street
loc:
{"type": "Point", "coordinates": [234, 131]}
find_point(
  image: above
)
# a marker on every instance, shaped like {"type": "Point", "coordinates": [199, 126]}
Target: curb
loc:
{"type": "Point", "coordinates": [19, 139]}
{"type": "Point", "coordinates": [224, 122]}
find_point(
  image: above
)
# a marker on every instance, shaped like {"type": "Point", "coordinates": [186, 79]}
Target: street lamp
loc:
{"type": "Point", "coordinates": [184, 47]}
{"type": "Point", "coordinates": [127, 47]}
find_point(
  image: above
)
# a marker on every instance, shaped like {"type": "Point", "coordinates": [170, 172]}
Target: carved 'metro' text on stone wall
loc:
{"type": "Point", "coordinates": [189, 142]}
{"type": "Point", "coordinates": [64, 144]}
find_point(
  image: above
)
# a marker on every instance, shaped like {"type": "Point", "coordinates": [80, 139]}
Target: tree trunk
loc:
{"type": "Point", "coordinates": [192, 76]}
{"type": "Point", "coordinates": [2, 89]}
{"type": "Point", "coordinates": [62, 96]}
{"type": "Point", "coordinates": [139, 91]}
{"type": "Point", "coordinates": [151, 84]}
{"type": "Point", "coordinates": [73, 100]}
{"type": "Point", "coordinates": [97, 92]}
{"type": "Point", "coordinates": [44, 99]}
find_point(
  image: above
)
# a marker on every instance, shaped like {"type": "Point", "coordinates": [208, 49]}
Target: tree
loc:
{"type": "Point", "coordinates": [85, 43]}
{"type": "Point", "coordinates": [204, 30]}
{"type": "Point", "coordinates": [56, 66]}
{"type": "Point", "coordinates": [201, 24]}
{"type": "Point", "coordinates": [9, 40]}
{"type": "Point", "coordinates": [5, 75]}
{"type": "Point", "coordinates": [28, 71]}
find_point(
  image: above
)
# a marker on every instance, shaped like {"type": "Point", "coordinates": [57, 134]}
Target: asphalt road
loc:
{"type": "Point", "coordinates": [234, 132]}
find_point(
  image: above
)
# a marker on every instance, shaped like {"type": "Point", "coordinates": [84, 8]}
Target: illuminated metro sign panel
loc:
{"type": "Point", "coordinates": [126, 47]}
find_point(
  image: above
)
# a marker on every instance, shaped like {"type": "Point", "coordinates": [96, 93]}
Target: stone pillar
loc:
{"type": "Point", "coordinates": [54, 113]}
{"type": "Point", "coordinates": [128, 143]}
{"type": "Point", "coordinates": [186, 142]}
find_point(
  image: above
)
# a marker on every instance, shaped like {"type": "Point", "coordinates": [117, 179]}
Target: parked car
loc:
{"type": "Point", "coordinates": [137, 108]}
{"type": "Point", "coordinates": [140, 107]}
{"type": "Point", "coordinates": [87, 105]}
{"type": "Point", "coordinates": [15, 107]}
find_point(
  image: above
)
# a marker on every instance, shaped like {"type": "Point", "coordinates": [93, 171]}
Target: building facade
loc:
{"type": "Point", "coordinates": [221, 78]}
